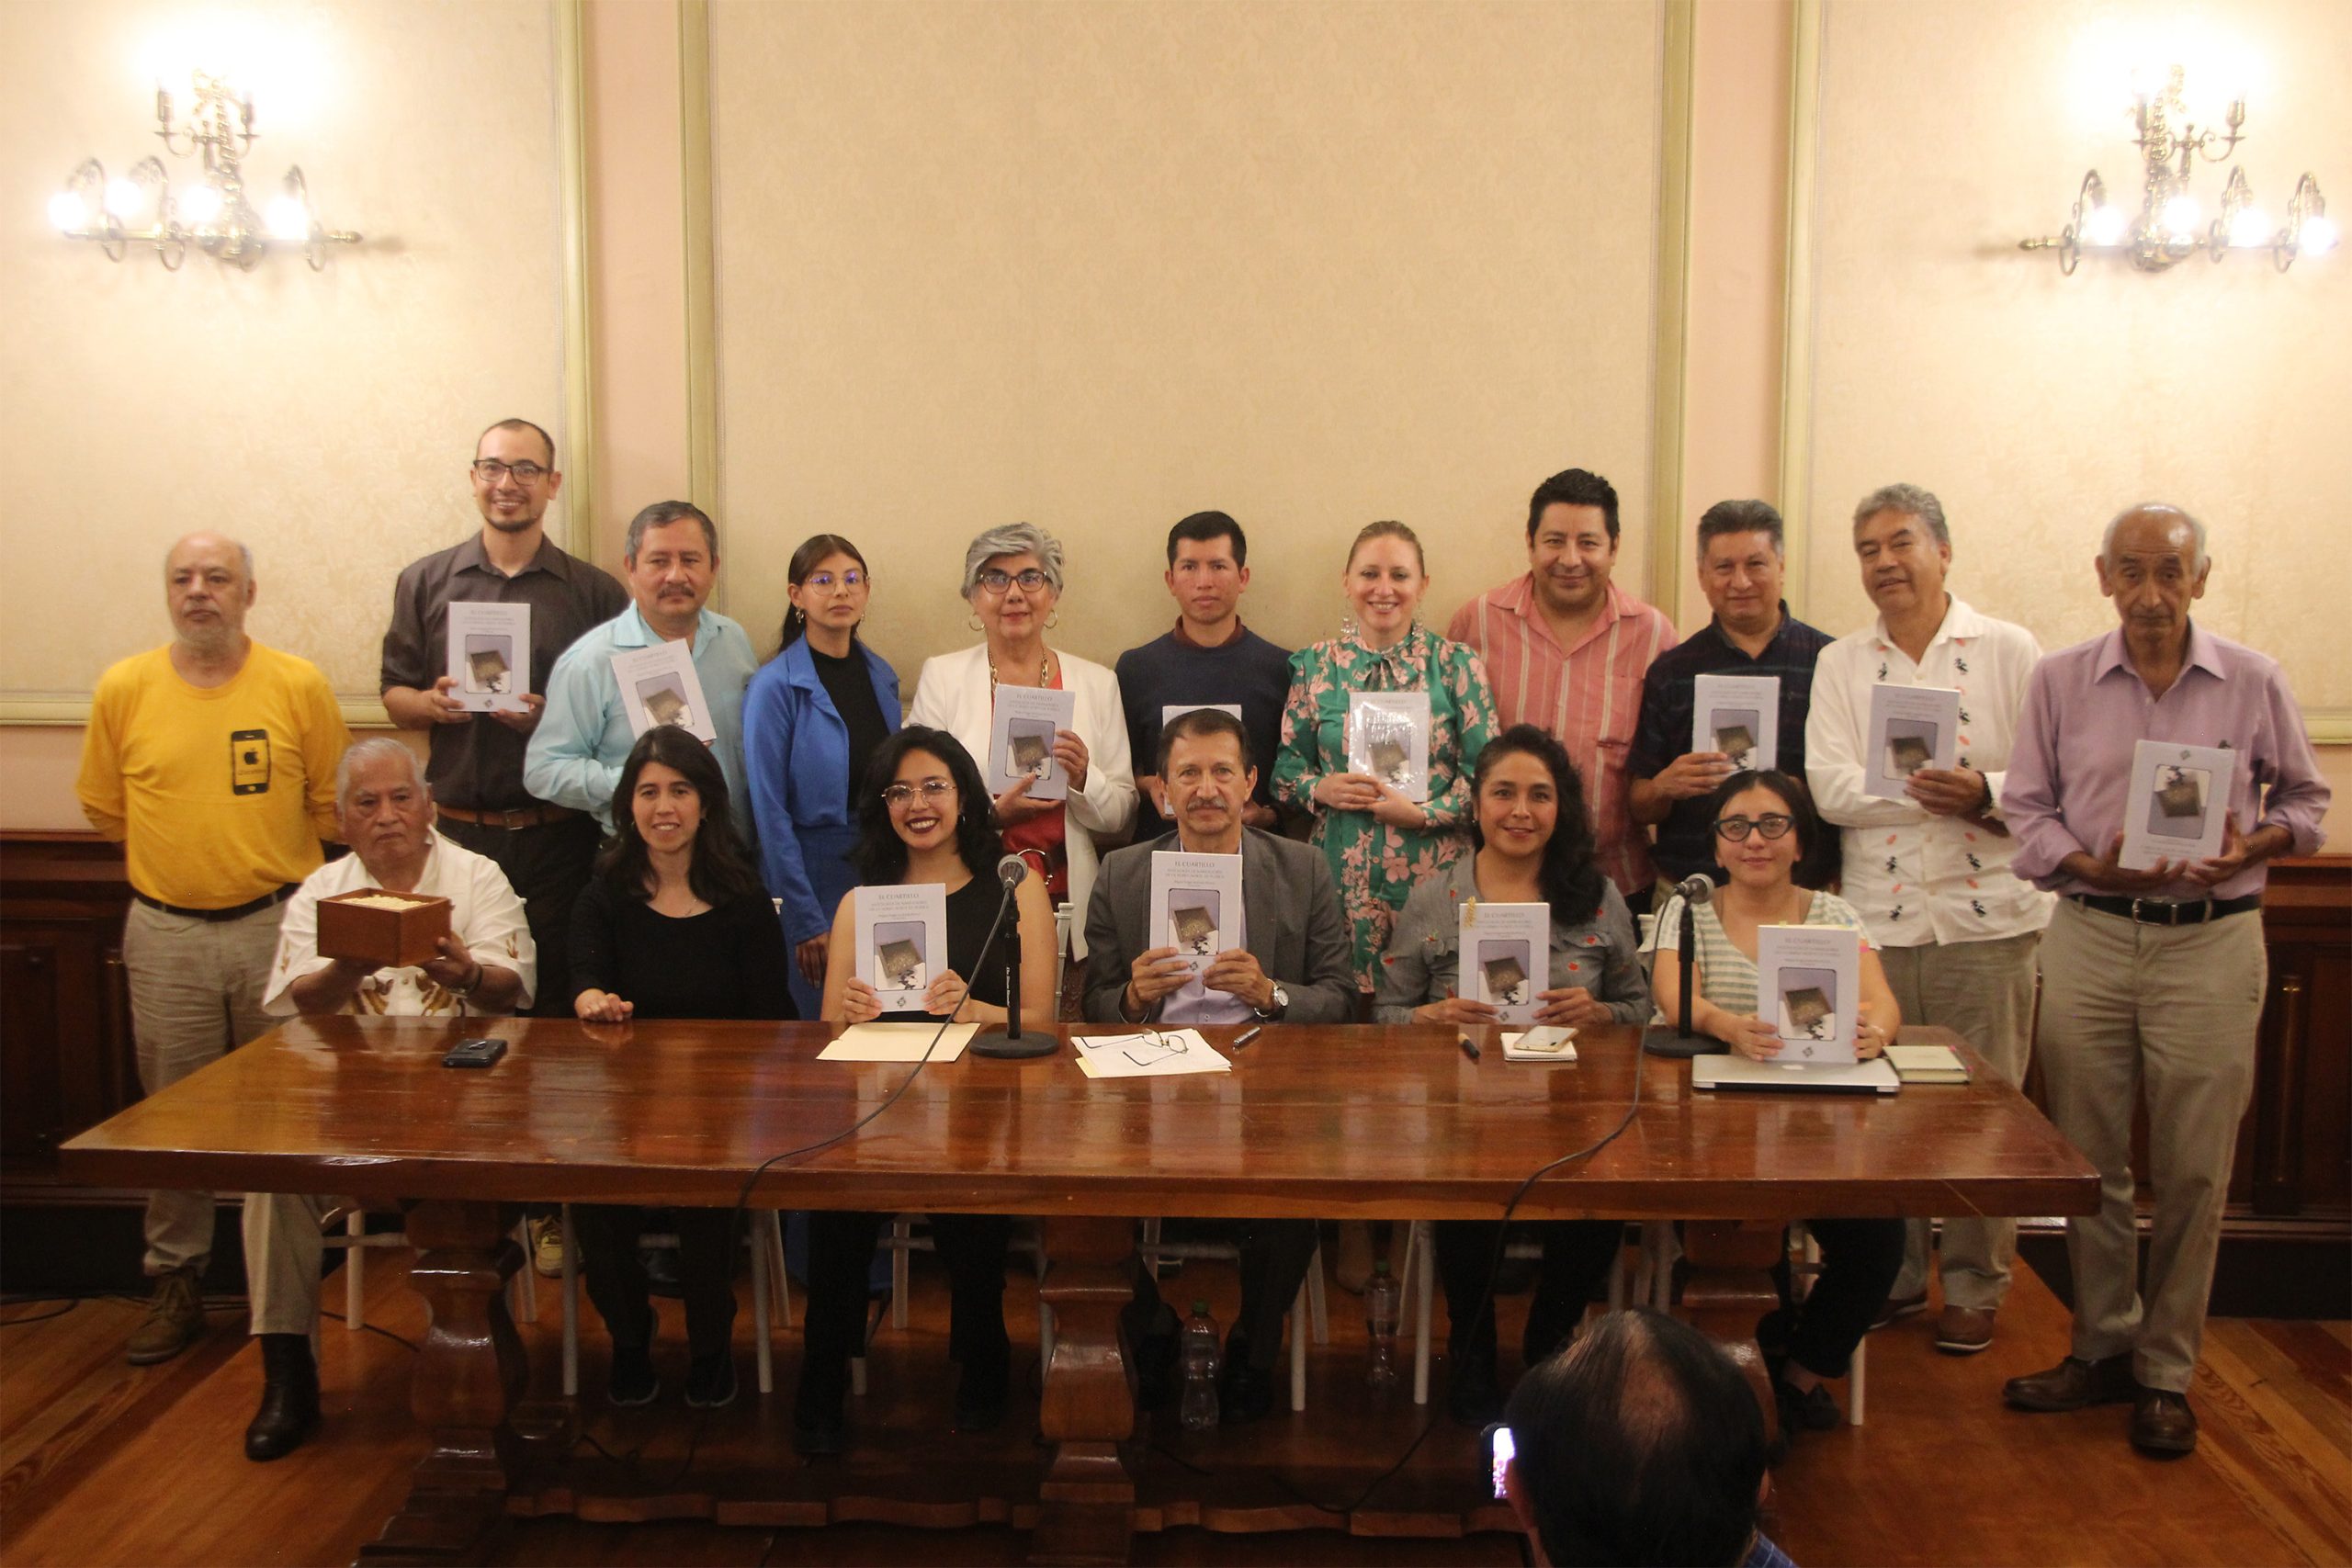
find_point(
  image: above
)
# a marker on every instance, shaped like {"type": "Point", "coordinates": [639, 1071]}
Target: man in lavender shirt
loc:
{"type": "Point", "coordinates": [2153, 976]}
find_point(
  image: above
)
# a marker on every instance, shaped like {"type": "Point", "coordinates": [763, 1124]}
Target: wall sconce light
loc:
{"type": "Point", "coordinates": [2170, 226]}
{"type": "Point", "coordinates": [212, 212]}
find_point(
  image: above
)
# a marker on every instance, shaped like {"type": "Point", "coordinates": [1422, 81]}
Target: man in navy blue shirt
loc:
{"type": "Point", "coordinates": [1210, 659]}
{"type": "Point", "coordinates": [1742, 559]}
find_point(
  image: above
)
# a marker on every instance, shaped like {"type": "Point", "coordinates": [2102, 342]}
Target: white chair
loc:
{"type": "Point", "coordinates": [765, 1236]}
{"type": "Point", "coordinates": [1807, 1269]}
{"type": "Point", "coordinates": [356, 1242]}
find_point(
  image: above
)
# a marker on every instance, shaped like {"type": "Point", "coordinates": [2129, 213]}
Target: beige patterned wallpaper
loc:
{"type": "Point", "coordinates": [1099, 266]}
{"type": "Point", "coordinates": [325, 418]}
{"type": "Point", "coordinates": [2038, 405]}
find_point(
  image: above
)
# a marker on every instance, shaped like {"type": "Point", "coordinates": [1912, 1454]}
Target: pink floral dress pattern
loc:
{"type": "Point", "coordinates": [1378, 866]}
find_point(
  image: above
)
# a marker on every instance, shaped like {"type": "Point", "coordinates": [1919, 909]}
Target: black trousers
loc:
{"type": "Point", "coordinates": [606, 1234]}
{"type": "Point", "coordinates": [841, 1262]}
{"type": "Point", "coordinates": [1860, 1259]}
{"type": "Point", "coordinates": [1577, 1257]}
{"type": "Point", "coordinates": [547, 866]}
{"type": "Point", "coordinates": [1274, 1256]}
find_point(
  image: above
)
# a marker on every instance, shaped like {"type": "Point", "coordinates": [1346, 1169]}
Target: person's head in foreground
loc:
{"type": "Point", "coordinates": [1640, 1444]}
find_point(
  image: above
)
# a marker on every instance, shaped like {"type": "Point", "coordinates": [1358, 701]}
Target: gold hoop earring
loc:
{"type": "Point", "coordinates": [974, 622]}
{"type": "Point", "coordinates": [1052, 619]}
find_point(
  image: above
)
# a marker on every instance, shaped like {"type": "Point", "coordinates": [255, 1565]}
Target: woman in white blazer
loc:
{"type": "Point", "coordinates": [1013, 580]}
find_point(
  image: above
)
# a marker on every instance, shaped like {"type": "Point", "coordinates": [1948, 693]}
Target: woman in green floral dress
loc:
{"type": "Point", "coordinates": [1380, 844]}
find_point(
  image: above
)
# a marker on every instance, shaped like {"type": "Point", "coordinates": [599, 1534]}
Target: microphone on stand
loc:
{"type": "Point", "coordinates": [1675, 1039]}
{"type": "Point", "coordinates": [1008, 1042]}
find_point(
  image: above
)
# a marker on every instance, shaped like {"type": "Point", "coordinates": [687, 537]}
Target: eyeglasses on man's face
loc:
{"type": "Point", "coordinates": [492, 471]}
{"type": "Point", "coordinates": [995, 581]}
{"type": "Point", "coordinates": [931, 791]}
{"type": "Point", "coordinates": [1772, 825]}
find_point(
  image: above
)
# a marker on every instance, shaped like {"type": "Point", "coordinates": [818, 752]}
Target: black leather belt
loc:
{"type": "Point", "coordinates": [235, 912]}
{"type": "Point", "coordinates": [2168, 911]}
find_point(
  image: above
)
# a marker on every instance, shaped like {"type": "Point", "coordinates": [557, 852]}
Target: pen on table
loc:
{"type": "Point", "coordinates": [1246, 1036]}
{"type": "Point", "coordinates": [1469, 1046]}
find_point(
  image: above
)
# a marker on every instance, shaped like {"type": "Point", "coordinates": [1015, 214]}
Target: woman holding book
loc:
{"type": "Point", "coordinates": [1764, 825]}
{"type": "Point", "coordinates": [1381, 843]}
{"type": "Point", "coordinates": [1013, 580]}
{"type": "Point", "coordinates": [924, 816]}
{"type": "Point", "coordinates": [672, 924]}
{"type": "Point", "coordinates": [813, 717]}
{"type": "Point", "coordinates": [1533, 844]}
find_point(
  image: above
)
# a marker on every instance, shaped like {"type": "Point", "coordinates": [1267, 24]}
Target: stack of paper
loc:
{"type": "Point", "coordinates": [1148, 1053]}
{"type": "Point", "coordinates": [897, 1043]}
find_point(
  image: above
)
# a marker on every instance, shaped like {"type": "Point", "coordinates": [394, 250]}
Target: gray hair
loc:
{"type": "Point", "coordinates": [660, 514]}
{"type": "Point", "coordinates": [2114, 523]}
{"type": "Point", "coordinates": [359, 754]}
{"type": "Point", "coordinates": [1911, 501]}
{"type": "Point", "coordinates": [1013, 539]}
{"type": "Point", "coordinates": [244, 554]}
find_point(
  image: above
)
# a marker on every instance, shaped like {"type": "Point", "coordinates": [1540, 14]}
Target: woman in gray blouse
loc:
{"type": "Point", "coordinates": [1534, 846]}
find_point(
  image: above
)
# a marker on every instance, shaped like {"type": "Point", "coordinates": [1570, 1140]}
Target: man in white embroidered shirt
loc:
{"type": "Point", "coordinates": [1930, 872]}
{"type": "Point", "coordinates": [486, 964]}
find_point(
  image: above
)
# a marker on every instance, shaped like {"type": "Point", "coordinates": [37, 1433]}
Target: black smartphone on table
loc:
{"type": "Point", "coordinates": [481, 1050]}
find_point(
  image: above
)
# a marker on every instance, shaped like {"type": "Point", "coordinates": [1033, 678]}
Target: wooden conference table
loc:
{"type": "Point", "coordinates": [1314, 1121]}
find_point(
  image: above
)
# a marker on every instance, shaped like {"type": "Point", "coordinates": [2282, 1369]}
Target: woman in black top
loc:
{"type": "Point", "coordinates": [674, 924]}
{"type": "Point", "coordinates": [923, 815]}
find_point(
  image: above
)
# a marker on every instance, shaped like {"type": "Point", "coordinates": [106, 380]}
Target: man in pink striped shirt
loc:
{"type": "Point", "coordinates": [1565, 650]}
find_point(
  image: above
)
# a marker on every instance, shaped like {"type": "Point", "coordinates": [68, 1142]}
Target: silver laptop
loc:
{"type": "Point", "coordinates": [1730, 1071]}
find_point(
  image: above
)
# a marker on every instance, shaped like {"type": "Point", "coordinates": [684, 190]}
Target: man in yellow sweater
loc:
{"type": "Point", "coordinates": [212, 760]}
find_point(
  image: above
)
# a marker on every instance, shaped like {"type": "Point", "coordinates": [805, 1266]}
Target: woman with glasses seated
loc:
{"type": "Point", "coordinates": [1013, 580]}
{"type": "Point", "coordinates": [924, 817]}
{"type": "Point", "coordinates": [1764, 825]}
{"type": "Point", "coordinates": [813, 717]}
{"type": "Point", "coordinates": [1533, 845]}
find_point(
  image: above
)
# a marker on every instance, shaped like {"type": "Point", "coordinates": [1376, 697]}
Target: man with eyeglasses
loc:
{"type": "Point", "coordinates": [1287, 961]}
{"type": "Point", "coordinates": [1929, 873]}
{"type": "Point", "coordinates": [475, 760]}
{"type": "Point", "coordinates": [670, 554]}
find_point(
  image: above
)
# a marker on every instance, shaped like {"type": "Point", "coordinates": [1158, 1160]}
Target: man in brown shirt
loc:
{"type": "Point", "coordinates": [476, 765]}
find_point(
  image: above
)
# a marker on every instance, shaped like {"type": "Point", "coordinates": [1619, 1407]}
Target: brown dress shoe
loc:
{"type": "Point", "coordinates": [2075, 1384]}
{"type": "Point", "coordinates": [2162, 1422]}
{"type": "Point", "coordinates": [1964, 1331]}
{"type": "Point", "coordinates": [174, 1319]}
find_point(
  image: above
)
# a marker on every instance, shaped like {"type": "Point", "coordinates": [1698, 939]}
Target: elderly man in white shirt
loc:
{"type": "Point", "coordinates": [487, 965]}
{"type": "Point", "coordinates": [1930, 874]}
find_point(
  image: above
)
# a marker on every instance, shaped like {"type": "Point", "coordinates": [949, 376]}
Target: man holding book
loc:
{"type": "Point", "coordinates": [1741, 560]}
{"type": "Point", "coordinates": [1926, 854]}
{"type": "Point", "coordinates": [1565, 650]}
{"type": "Point", "coordinates": [2152, 971]}
{"type": "Point", "coordinates": [1286, 959]}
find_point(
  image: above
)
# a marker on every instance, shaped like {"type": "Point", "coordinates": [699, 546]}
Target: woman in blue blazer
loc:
{"type": "Point", "coordinates": [813, 717]}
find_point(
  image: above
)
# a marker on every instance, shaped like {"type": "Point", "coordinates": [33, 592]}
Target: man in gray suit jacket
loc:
{"type": "Point", "coordinates": [1289, 965]}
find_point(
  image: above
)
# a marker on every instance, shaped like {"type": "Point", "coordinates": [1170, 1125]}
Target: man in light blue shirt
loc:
{"type": "Point", "coordinates": [671, 559]}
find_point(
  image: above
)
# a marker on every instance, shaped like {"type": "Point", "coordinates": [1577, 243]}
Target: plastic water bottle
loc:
{"type": "Point", "coordinates": [1380, 1307]}
{"type": "Point", "coordinates": [1201, 1348]}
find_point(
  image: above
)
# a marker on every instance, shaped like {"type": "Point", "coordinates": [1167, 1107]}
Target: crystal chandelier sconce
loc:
{"type": "Point", "coordinates": [212, 212]}
{"type": "Point", "coordinates": [2171, 225]}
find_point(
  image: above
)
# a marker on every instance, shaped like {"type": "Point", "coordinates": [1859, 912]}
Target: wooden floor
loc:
{"type": "Point", "coordinates": [101, 1462]}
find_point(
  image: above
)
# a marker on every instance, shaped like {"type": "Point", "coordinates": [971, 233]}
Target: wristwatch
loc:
{"type": "Point", "coordinates": [1282, 1004]}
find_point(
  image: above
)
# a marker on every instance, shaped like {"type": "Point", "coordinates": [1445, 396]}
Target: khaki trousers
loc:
{"type": "Point", "coordinates": [1984, 992]}
{"type": "Point", "coordinates": [2171, 1010]}
{"type": "Point", "coordinates": [195, 990]}
{"type": "Point", "coordinates": [284, 1251]}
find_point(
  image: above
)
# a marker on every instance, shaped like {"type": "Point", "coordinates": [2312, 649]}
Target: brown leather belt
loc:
{"type": "Point", "coordinates": [512, 821]}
